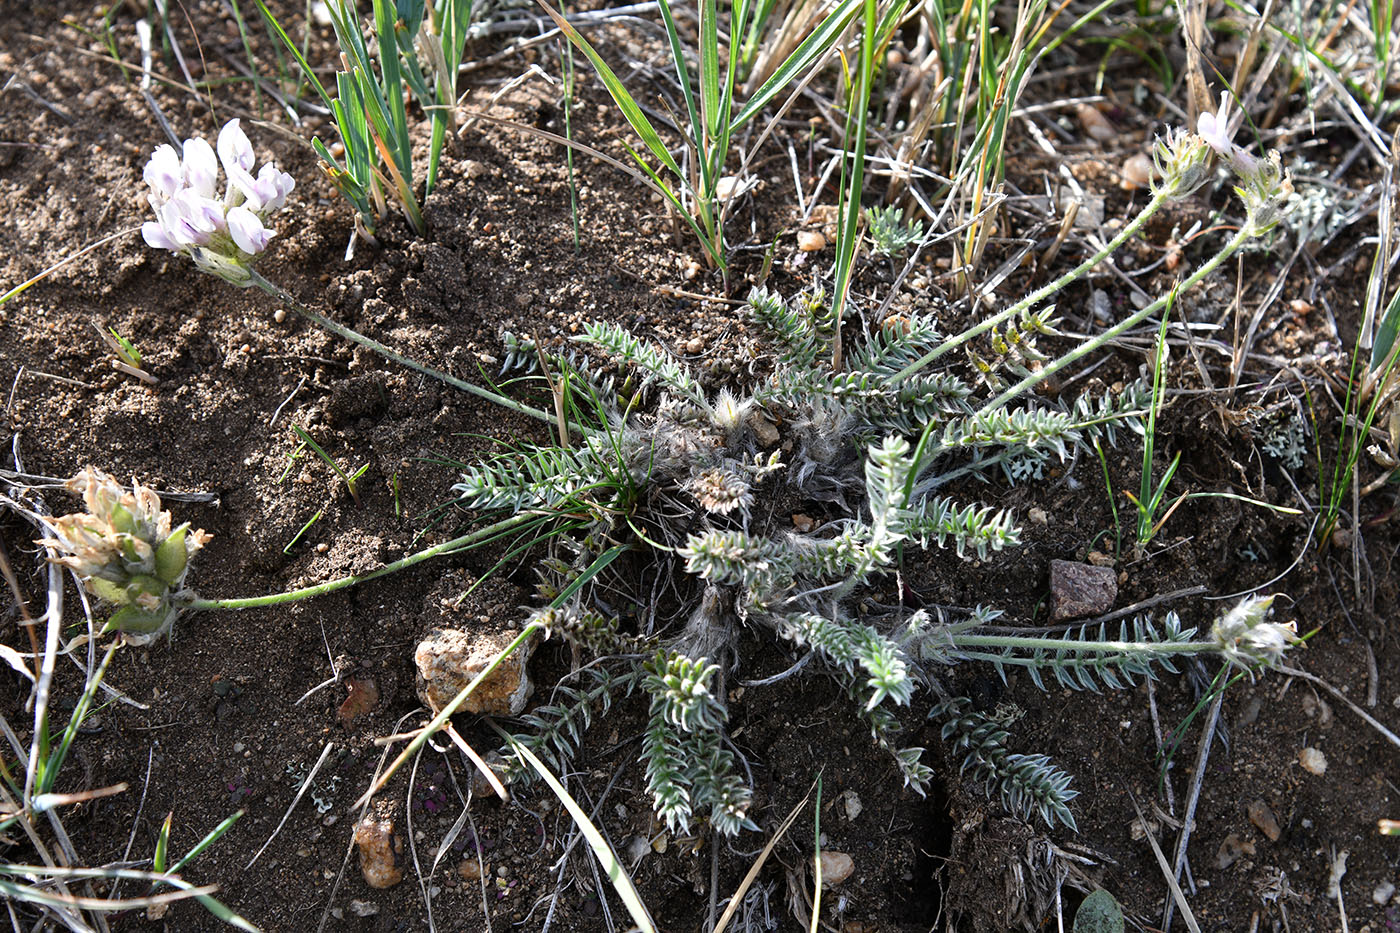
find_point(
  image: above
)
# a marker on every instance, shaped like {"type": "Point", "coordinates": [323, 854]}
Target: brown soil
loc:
{"type": "Point", "coordinates": [219, 727]}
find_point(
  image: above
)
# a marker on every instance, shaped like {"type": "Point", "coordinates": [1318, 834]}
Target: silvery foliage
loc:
{"type": "Point", "coordinates": [689, 472]}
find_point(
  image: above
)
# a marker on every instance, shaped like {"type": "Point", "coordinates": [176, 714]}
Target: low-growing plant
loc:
{"type": "Point", "coordinates": [890, 233]}
{"type": "Point", "coordinates": [746, 571]}
{"type": "Point", "coordinates": [677, 485]}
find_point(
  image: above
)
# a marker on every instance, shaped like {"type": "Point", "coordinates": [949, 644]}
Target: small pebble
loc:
{"type": "Point", "coordinates": [1038, 516]}
{"type": "Point", "coordinates": [1137, 172]}
{"type": "Point", "coordinates": [852, 803]}
{"type": "Point", "coordinates": [1232, 849]}
{"type": "Point", "coordinates": [469, 869]}
{"type": "Point", "coordinates": [1383, 893]}
{"type": "Point", "coordinates": [811, 241]}
{"type": "Point", "coordinates": [694, 345]}
{"type": "Point", "coordinates": [380, 848]}
{"type": "Point", "coordinates": [836, 867]}
{"type": "Point", "coordinates": [1095, 124]}
{"type": "Point", "coordinates": [279, 315]}
{"type": "Point", "coordinates": [1079, 590]}
{"type": "Point", "coordinates": [637, 849]}
{"type": "Point", "coordinates": [1313, 761]}
{"type": "Point", "coordinates": [1262, 817]}
{"type": "Point", "coordinates": [363, 908]}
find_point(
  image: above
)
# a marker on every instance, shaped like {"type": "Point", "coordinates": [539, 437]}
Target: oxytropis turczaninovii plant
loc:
{"type": "Point", "coordinates": [679, 483]}
{"type": "Point", "coordinates": [682, 485]}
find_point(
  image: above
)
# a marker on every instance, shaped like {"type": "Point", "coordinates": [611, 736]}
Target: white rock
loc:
{"type": "Point", "coordinates": [1383, 893]}
{"type": "Point", "coordinates": [1313, 761]}
{"type": "Point", "coordinates": [449, 659]}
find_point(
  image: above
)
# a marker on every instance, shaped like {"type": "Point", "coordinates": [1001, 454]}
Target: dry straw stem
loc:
{"type": "Point", "coordinates": [607, 858]}
{"type": "Point", "coordinates": [737, 899]}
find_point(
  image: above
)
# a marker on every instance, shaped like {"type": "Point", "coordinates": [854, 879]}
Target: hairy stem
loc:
{"type": "Point", "coordinates": [340, 330]}
{"type": "Point", "coordinates": [1040, 295]}
{"type": "Point", "coordinates": [1089, 346]}
{"type": "Point", "coordinates": [1028, 643]}
{"type": "Point", "coordinates": [471, 539]}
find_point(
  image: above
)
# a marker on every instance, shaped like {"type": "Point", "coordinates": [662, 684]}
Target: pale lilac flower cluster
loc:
{"type": "Point", "coordinates": [220, 235]}
{"type": "Point", "coordinates": [1265, 186]}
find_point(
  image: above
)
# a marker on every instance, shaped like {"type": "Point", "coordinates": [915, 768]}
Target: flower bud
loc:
{"type": "Point", "coordinates": [1265, 193]}
{"type": "Point", "coordinates": [1182, 161]}
{"type": "Point", "coordinates": [123, 550]}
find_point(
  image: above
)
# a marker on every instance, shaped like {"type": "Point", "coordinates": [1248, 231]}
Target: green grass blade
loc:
{"type": "Point", "coordinates": [162, 844]}
{"type": "Point", "coordinates": [625, 102]}
{"type": "Point", "coordinates": [281, 34]}
{"type": "Point", "coordinates": [802, 58]}
{"type": "Point", "coordinates": [207, 841]}
{"type": "Point", "coordinates": [607, 858]}
{"type": "Point", "coordinates": [697, 127]}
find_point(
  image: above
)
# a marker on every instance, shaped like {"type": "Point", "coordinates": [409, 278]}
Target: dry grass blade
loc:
{"type": "Point", "coordinates": [301, 792]}
{"type": "Point", "coordinates": [752, 874]}
{"type": "Point", "coordinates": [1177, 895]}
{"type": "Point", "coordinates": [607, 858]}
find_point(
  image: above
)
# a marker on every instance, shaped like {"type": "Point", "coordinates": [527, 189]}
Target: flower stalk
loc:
{"type": "Point", "coordinates": [1160, 198]}
{"type": "Point", "coordinates": [462, 542]}
{"type": "Point", "coordinates": [340, 330]}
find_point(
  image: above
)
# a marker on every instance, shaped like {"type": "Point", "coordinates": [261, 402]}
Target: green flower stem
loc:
{"type": "Point", "coordinates": [1089, 346]}
{"type": "Point", "coordinates": [471, 539]}
{"type": "Point", "coordinates": [342, 331]}
{"type": "Point", "coordinates": [1038, 296]}
{"type": "Point", "coordinates": [1059, 645]}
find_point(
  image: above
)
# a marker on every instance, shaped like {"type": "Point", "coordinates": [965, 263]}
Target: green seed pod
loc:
{"type": "Point", "coordinates": [136, 621]}
{"type": "Point", "coordinates": [144, 583]}
{"type": "Point", "coordinates": [122, 519]}
{"type": "Point", "coordinates": [111, 592]}
{"type": "Point", "coordinates": [171, 556]}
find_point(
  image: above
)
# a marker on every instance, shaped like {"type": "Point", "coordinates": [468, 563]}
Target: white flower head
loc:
{"type": "Point", "coordinates": [221, 236]}
{"type": "Point", "coordinates": [1246, 638]}
{"type": "Point", "coordinates": [1214, 128]}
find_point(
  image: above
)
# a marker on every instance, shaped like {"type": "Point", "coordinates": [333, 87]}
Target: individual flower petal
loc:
{"type": "Point", "coordinates": [200, 168]}
{"type": "Point", "coordinates": [247, 230]}
{"type": "Point", "coordinates": [154, 235]}
{"type": "Point", "coordinates": [191, 220]}
{"type": "Point", "coordinates": [234, 149]}
{"type": "Point", "coordinates": [162, 172]}
{"type": "Point", "coordinates": [273, 186]}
